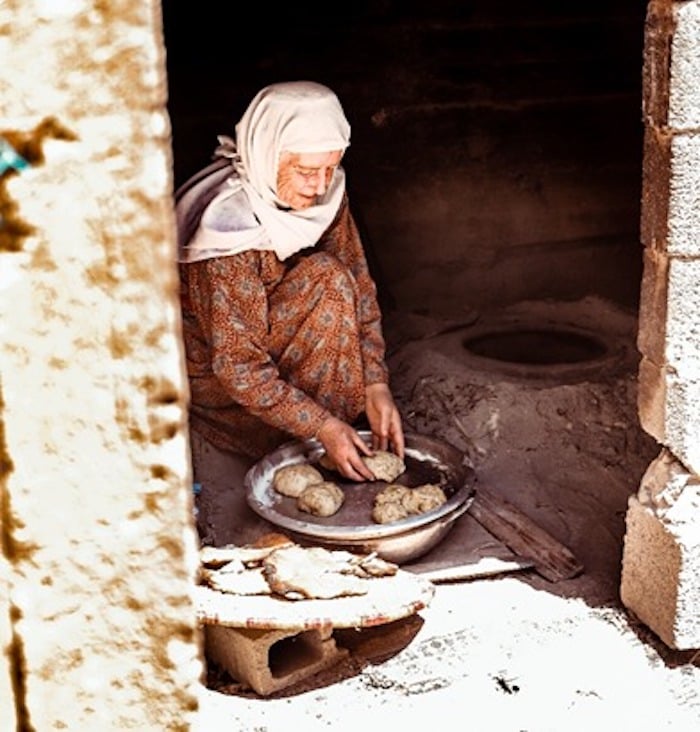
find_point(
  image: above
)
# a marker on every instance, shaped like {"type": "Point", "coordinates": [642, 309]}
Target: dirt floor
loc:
{"type": "Point", "coordinates": [550, 425]}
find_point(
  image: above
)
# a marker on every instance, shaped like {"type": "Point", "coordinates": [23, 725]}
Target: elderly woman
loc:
{"type": "Point", "coordinates": [281, 322]}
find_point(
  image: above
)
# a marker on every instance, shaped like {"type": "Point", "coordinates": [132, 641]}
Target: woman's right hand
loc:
{"type": "Point", "coordinates": [344, 447]}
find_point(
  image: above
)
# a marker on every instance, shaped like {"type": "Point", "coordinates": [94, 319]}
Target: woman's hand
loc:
{"type": "Point", "coordinates": [384, 419]}
{"type": "Point", "coordinates": [345, 447]}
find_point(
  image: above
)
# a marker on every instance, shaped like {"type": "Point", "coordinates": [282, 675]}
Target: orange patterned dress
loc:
{"type": "Point", "coordinates": [275, 347]}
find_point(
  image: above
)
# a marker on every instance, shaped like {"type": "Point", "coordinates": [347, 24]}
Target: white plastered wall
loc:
{"type": "Point", "coordinates": [661, 559]}
{"type": "Point", "coordinates": [97, 624]}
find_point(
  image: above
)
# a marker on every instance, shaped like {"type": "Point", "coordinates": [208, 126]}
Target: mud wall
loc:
{"type": "Point", "coordinates": [496, 150]}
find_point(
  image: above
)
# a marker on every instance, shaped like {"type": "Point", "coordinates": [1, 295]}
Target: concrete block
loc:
{"type": "Point", "coordinates": [669, 313]}
{"type": "Point", "coordinates": [660, 583]}
{"type": "Point", "coordinates": [271, 660]}
{"type": "Point", "coordinates": [684, 90]}
{"type": "Point", "coordinates": [651, 399]}
{"type": "Point", "coordinates": [671, 73]}
{"type": "Point", "coordinates": [653, 304]}
{"type": "Point", "coordinates": [669, 410]}
{"type": "Point", "coordinates": [684, 196]}
{"type": "Point", "coordinates": [670, 210]}
{"type": "Point", "coordinates": [682, 348]}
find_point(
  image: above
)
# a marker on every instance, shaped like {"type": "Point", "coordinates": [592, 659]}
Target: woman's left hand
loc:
{"type": "Point", "coordinates": [384, 419]}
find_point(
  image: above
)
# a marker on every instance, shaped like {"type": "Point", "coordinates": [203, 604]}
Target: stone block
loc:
{"type": "Point", "coordinates": [670, 214]}
{"type": "Point", "coordinates": [660, 583]}
{"type": "Point", "coordinates": [267, 661]}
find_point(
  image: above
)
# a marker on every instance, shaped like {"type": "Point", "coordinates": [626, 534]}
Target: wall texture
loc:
{"type": "Point", "coordinates": [97, 626]}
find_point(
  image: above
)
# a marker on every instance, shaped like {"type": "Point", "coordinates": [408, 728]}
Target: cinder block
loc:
{"type": "Point", "coordinates": [669, 410]}
{"type": "Point", "coordinates": [671, 75]}
{"type": "Point", "coordinates": [651, 336]}
{"type": "Point", "coordinates": [660, 583]}
{"type": "Point", "coordinates": [684, 67]}
{"type": "Point", "coordinates": [270, 660]}
{"type": "Point", "coordinates": [669, 313]}
{"type": "Point", "coordinates": [670, 219]}
{"type": "Point", "coordinates": [684, 182]}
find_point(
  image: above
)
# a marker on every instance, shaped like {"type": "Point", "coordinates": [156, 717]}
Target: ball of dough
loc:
{"type": "Point", "coordinates": [393, 493]}
{"type": "Point", "coordinates": [385, 465]}
{"type": "Point", "coordinates": [386, 513]}
{"type": "Point", "coordinates": [290, 480]}
{"type": "Point", "coordinates": [396, 502]}
{"type": "Point", "coordinates": [321, 499]}
{"type": "Point", "coordinates": [425, 498]}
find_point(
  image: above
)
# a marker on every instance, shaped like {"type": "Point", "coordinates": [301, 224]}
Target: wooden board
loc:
{"type": "Point", "coordinates": [549, 557]}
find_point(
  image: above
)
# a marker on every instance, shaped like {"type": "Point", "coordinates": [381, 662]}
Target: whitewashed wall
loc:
{"type": "Point", "coordinates": [97, 625]}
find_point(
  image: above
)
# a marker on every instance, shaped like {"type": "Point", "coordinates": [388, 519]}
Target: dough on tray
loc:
{"type": "Point", "coordinates": [290, 480]}
{"type": "Point", "coordinates": [321, 499]}
{"type": "Point", "coordinates": [396, 502]}
{"type": "Point", "coordinates": [385, 465]}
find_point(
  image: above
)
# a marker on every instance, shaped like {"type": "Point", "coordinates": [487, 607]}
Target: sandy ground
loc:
{"type": "Point", "coordinates": [512, 652]}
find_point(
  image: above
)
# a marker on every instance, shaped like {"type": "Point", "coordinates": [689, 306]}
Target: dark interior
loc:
{"type": "Point", "coordinates": [496, 148]}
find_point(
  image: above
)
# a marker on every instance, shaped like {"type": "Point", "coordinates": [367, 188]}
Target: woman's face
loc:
{"type": "Point", "coordinates": [303, 177]}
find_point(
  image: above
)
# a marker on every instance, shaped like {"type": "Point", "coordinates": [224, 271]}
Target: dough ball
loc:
{"type": "Point", "coordinates": [321, 499]}
{"type": "Point", "coordinates": [424, 498]}
{"type": "Point", "coordinates": [393, 493]}
{"type": "Point", "coordinates": [385, 465]}
{"type": "Point", "coordinates": [385, 513]}
{"type": "Point", "coordinates": [396, 502]}
{"type": "Point", "coordinates": [290, 480]}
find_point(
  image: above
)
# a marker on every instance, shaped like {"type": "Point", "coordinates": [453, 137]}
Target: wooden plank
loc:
{"type": "Point", "coordinates": [518, 532]}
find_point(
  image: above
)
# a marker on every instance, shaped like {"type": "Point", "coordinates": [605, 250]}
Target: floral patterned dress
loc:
{"type": "Point", "coordinates": [274, 348]}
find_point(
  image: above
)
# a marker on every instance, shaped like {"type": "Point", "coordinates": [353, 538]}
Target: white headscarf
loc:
{"type": "Point", "coordinates": [298, 117]}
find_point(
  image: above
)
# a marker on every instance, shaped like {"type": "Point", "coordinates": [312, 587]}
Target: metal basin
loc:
{"type": "Point", "coordinates": [427, 459]}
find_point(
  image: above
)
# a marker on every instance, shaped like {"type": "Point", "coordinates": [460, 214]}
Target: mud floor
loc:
{"type": "Point", "coordinates": [550, 425]}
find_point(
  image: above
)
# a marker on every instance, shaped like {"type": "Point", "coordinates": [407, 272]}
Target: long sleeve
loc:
{"type": "Point", "coordinates": [343, 241]}
{"type": "Point", "coordinates": [230, 362]}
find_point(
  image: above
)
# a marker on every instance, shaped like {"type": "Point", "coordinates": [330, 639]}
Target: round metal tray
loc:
{"type": "Point", "coordinates": [427, 459]}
